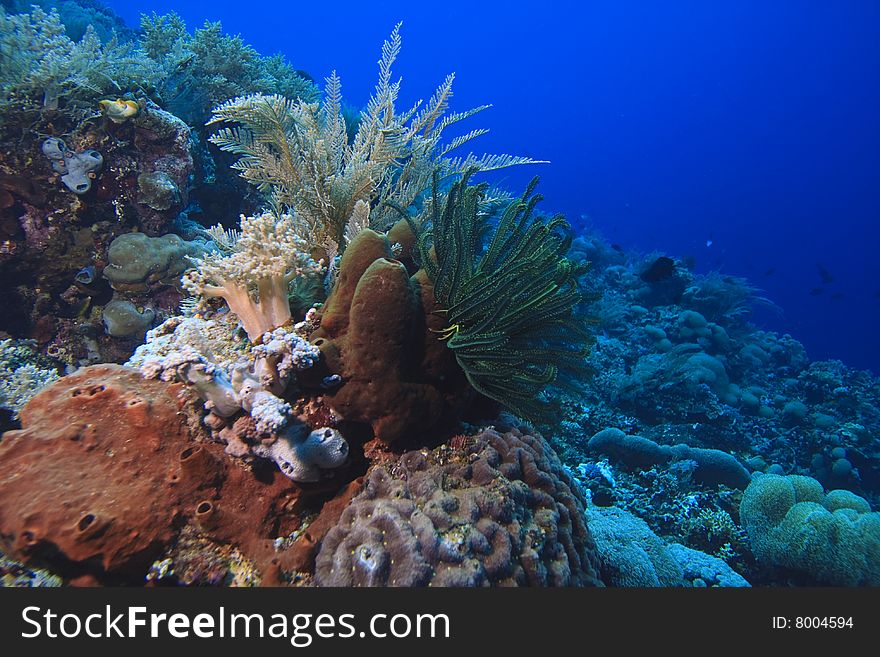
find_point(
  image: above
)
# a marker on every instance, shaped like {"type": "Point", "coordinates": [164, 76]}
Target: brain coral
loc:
{"type": "Point", "coordinates": [491, 509]}
{"type": "Point", "coordinates": [833, 539]}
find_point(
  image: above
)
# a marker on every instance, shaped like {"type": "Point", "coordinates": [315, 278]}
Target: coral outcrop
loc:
{"type": "Point", "coordinates": [831, 538]}
{"type": "Point", "coordinates": [376, 333]}
{"type": "Point", "coordinates": [711, 466]}
{"type": "Point", "coordinates": [109, 467]}
{"type": "Point", "coordinates": [137, 262]}
{"type": "Point", "coordinates": [494, 509]}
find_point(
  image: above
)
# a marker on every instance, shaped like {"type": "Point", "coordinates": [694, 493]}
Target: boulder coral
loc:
{"type": "Point", "coordinates": [831, 538]}
{"type": "Point", "coordinates": [494, 509]}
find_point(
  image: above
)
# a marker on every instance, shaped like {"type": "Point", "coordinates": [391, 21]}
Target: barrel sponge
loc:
{"type": "Point", "coordinates": [834, 539]}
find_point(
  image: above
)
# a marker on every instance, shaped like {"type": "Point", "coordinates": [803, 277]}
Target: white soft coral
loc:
{"type": "Point", "coordinates": [254, 273]}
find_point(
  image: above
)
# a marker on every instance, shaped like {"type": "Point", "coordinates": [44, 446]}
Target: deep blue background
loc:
{"type": "Point", "coordinates": [753, 124]}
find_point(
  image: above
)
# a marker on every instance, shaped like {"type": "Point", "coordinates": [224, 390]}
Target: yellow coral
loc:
{"type": "Point", "coordinates": [120, 110]}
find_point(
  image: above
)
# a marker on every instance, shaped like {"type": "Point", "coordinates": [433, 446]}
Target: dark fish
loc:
{"type": "Point", "coordinates": [304, 75]}
{"type": "Point", "coordinates": [837, 296]}
{"type": "Point", "coordinates": [770, 271]}
{"type": "Point", "coordinates": [617, 248]}
{"type": "Point", "coordinates": [817, 291]}
{"type": "Point", "coordinates": [824, 274]}
{"type": "Point", "coordinates": [661, 269]}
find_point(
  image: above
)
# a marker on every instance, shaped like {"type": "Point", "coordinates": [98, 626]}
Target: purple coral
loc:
{"type": "Point", "coordinates": [498, 510]}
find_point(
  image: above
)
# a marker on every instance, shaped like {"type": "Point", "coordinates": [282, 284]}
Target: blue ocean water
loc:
{"type": "Point", "coordinates": [741, 134]}
{"type": "Point", "coordinates": [713, 158]}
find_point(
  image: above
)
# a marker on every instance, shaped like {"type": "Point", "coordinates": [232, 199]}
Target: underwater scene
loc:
{"type": "Point", "coordinates": [278, 309]}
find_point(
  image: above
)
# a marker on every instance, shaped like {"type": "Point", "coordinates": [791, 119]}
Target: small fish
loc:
{"type": "Point", "coordinates": [770, 271]}
{"type": "Point", "coordinates": [332, 381]}
{"type": "Point", "coordinates": [661, 269]}
{"type": "Point", "coordinates": [838, 296]}
{"type": "Point", "coordinates": [817, 291]}
{"type": "Point", "coordinates": [824, 274]}
{"type": "Point", "coordinates": [709, 243]}
{"type": "Point", "coordinates": [617, 248]}
{"type": "Point", "coordinates": [120, 110]}
{"type": "Point", "coordinates": [85, 275]}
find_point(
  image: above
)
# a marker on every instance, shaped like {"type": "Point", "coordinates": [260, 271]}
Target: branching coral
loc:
{"type": "Point", "coordinates": [301, 154]}
{"type": "Point", "coordinates": [509, 306]}
{"type": "Point", "coordinates": [40, 64]}
{"type": "Point", "coordinates": [254, 274]}
{"type": "Point", "coordinates": [203, 69]}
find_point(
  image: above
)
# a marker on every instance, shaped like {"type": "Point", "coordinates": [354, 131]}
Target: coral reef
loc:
{"type": "Point", "coordinates": [376, 335]}
{"type": "Point", "coordinates": [315, 412]}
{"type": "Point", "coordinates": [509, 303]}
{"type": "Point", "coordinates": [51, 236]}
{"type": "Point", "coordinates": [109, 466]}
{"type": "Point", "coordinates": [630, 554]}
{"type": "Point", "coordinates": [498, 510]}
{"type": "Point", "coordinates": [831, 538]}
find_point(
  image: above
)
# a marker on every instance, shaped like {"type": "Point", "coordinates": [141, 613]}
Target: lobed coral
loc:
{"type": "Point", "coordinates": [711, 467]}
{"type": "Point", "coordinates": [137, 262]}
{"type": "Point", "coordinates": [499, 510]}
{"type": "Point", "coordinates": [631, 555]}
{"type": "Point", "coordinates": [831, 538]}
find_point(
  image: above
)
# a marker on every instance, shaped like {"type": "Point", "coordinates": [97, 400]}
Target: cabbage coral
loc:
{"type": "Point", "coordinates": [253, 271]}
